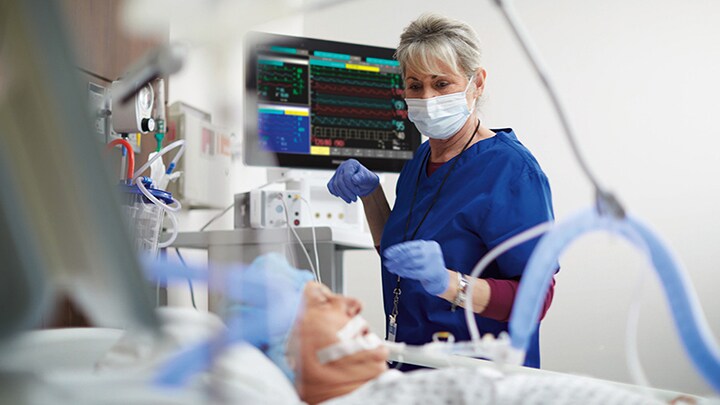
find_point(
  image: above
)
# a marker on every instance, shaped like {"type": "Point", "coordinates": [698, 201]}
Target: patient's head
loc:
{"type": "Point", "coordinates": [322, 315]}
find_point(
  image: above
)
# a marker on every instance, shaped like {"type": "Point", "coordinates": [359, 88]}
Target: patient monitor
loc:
{"type": "Point", "coordinates": [312, 104]}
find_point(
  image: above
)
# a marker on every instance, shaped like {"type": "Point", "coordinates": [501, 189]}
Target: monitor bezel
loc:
{"type": "Point", "coordinates": [254, 155]}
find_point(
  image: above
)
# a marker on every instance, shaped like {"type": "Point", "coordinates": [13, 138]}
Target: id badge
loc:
{"type": "Point", "coordinates": [392, 329]}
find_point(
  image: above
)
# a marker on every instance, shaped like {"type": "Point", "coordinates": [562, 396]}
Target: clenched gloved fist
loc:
{"type": "Point", "coordinates": [352, 180]}
{"type": "Point", "coordinates": [420, 260]}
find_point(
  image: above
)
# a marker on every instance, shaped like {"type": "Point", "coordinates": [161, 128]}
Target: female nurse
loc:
{"type": "Point", "coordinates": [466, 190]}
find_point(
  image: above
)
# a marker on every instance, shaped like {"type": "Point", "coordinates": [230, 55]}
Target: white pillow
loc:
{"type": "Point", "coordinates": [180, 328]}
{"type": "Point", "coordinates": [242, 374]}
{"type": "Point", "coordinates": [245, 375]}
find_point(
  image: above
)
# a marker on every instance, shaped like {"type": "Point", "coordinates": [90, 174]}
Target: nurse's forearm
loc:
{"type": "Point", "coordinates": [480, 293]}
{"type": "Point", "coordinates": [377, 211]}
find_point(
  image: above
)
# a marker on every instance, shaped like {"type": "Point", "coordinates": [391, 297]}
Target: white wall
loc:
{"type": "Point", "coordinates": [640, 81]}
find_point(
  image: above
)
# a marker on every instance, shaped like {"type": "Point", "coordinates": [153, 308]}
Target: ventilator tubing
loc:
{"type": "Point", "coordinates": [690, 322]}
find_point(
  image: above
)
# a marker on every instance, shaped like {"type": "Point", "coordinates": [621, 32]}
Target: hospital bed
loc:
{"type": "Point", "coordinates": [70, 357]}
{"type": "Point", "coordinates": [436, 361]}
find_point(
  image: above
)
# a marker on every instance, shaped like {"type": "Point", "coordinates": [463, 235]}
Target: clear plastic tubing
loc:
{"type": "Point", "coordinates": [690, 322]}
{"type": "Point", "coordinates": [167, 208]}
{"type": "Point", "coordinates": [177, 144]}
{"type": "Point", "coordinates": [497, 251]}
{"type": "Point", "coordinates": [174, 234]}
{"type": "Point", "coordinates": [176, 207]}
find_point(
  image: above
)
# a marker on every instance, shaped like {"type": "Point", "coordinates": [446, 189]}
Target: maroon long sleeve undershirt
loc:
{"type": "Point", "coordinates": [502, 296]}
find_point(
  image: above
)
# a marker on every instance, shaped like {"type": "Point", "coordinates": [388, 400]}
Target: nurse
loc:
{"type": "Point", "coordinates": [466, 190]}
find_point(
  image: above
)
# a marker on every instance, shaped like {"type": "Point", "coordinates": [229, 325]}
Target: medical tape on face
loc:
{"type": "Point", "coordinates": [353, 328]}
{"type": "Point", "coordinates": [351, 341]}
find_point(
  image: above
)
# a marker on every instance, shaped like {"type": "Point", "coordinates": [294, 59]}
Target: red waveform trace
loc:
{"type": "Point", "coordinates": [346, 90]}
{"type": "Point", "coordinates": [353, 112]}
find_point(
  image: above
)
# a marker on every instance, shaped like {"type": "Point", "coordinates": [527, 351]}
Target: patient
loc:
{"type": "Point", "coordinates": [324, 347]}
{"type": "Point", "coordinates": [323, 315]}
{"type": "Point", "coordinates": [350, 373]}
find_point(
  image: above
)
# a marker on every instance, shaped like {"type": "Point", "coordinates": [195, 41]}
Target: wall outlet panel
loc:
{"type": "Point", "coordinates": [268, 209]}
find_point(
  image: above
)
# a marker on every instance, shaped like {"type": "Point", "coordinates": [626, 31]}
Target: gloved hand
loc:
{"type": "Point", "coordinates": [264, 300]}
{"type": "Point", "coordinates": [420, 260]}
{"type": "Point", "coordinates": [352, 180]}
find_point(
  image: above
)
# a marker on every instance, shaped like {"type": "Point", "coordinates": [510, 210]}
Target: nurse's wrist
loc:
{"type": "Point", "coordinates": [481, 295]}
{"type": "Point", "coordinates": [480, 292]}
{"type": "Point", "coordinates": [376, 193]}
{"type": "Point", "coordinates": [450, 292]}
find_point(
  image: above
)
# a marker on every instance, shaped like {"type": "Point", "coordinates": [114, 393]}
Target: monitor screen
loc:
{"type": "Point", "coordinates": [313, 103]}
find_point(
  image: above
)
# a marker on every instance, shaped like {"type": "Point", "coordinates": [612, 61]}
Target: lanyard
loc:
{"type": "Point", "coordinates": [392, 325]}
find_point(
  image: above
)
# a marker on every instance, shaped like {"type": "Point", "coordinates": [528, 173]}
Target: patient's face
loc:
{"type": "Point", "coordinates": [323, 315]}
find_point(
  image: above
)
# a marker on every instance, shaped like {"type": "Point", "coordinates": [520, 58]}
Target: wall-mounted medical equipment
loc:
{"type": "Point", "coordinates": [135, 115]}
{"type": "Point", "coordinates": [125, 109]}
{"type": "Point", "coordinates": [208, 159]}
{"type": "Point", "coordinates": [159, 62]}
{"type": "Point", "coordinates": [126, 119]}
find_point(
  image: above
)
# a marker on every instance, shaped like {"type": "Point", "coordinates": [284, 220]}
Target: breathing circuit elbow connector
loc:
{"type": "Point", "coordinates": [607, 204]}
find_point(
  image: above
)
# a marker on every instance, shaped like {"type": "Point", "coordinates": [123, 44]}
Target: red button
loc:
{"type": "Point", "coordinates": [296, 222]}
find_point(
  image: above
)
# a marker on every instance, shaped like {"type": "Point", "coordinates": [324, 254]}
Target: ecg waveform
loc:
{"type": "Point", "coordinates": [364, 102]}
{"type": "Point", "coordinates": [282, 82]}
{"type": "Point", "coordinates": [354, 112]}
{"type": "Point", "coordinates": [324, 88]}
{"type": "Point", "coordinates": [357, 108]}
{"type": "Point", "coordinates": [351, 123]}
{"type": "Point", "coordinates": [355, 133]}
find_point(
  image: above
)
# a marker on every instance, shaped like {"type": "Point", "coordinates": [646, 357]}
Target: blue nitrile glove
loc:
{"type": "Point", "coordinates": [420, 260]}
{"type": "Point", "coordinates": [352, 180]}
{"type": "Point", "coordinates": [264, 299]}
{"type": "Point", "coordinates": [263, 302]}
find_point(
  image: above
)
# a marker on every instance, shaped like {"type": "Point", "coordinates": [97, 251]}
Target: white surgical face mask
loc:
{"type": "Point", "coordinates": [440, 117]}
{"type": "Point", "coordinates": [351, 341]}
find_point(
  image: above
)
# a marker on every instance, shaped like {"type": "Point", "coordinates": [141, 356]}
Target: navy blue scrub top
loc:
{"type": "Point", "coordinates": [496, 190]}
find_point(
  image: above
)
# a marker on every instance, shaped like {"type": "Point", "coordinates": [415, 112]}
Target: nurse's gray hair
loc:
{"type": "Point", "coordinates": [432, 38]}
